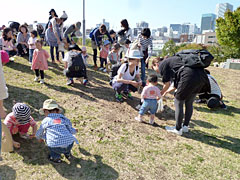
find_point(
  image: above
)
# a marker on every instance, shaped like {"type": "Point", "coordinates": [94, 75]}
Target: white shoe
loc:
{"type": "Point", "coordinates": [36, 79]}
{"type": "Point", "coordinates": [174, 130]}
{"type": "Point", "coordinates": [151, 121]}
{"type": "Point", "coordinates": [12, 59]}
{"type": "Point", "coordinates": [138, 119]}
{"type": "Point", "coordinates": [101, 68]}
{"type": "Point", "coordinates": [104, 70]}
{"type": "Point", "coordinates": [185, 129]}
{"type": "Point", "coordinates": [42, 81]}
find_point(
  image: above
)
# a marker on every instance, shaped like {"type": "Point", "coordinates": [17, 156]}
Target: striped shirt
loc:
{"type": "Point", "coordinates": [57, 130]}
{"type": "Point", "coordinates": [146, 44]}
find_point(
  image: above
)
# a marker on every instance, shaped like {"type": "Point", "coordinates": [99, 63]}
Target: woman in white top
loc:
{"type": "Point", "coordinates": [54, 34]}
{"type": "Point", "coordinates": [124, 80]}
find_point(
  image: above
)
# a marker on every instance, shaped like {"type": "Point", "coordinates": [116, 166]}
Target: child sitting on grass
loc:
{"type": "Point", "coordinates": [150, 95]}
{"type": "Point", "coordinates": [57, 131]}
{"type": "Point", "coordinates": [19, 121]}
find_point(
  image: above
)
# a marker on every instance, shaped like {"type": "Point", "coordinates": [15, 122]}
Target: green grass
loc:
{"type": "Point", "coordinates": [112, 144]}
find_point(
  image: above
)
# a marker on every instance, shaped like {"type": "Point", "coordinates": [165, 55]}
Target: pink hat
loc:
{"type": "Point", "coordinates": [4, 56]}
{"type": "Point", "coordinates": [84, 48]}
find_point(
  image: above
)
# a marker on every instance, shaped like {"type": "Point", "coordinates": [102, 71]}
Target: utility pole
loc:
{"type": "Point", "coordinates": [84, 28]}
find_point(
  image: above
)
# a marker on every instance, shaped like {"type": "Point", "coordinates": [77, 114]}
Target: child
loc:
{"type": "Point", "coordinates": [19, 121]}
{"type": "Point", "coordinates": [40, 63]}
{"type": "Point", "coordinates": [85, 55]}
{"type": "Point", "coordinates": [104, 54]}
{"type": "Point", "coordinates": [57, 131]}
{"type": "Point", "coordinates": [113, 56]}
{"type": "Point", "coordinates": [74, 65]}
{"type": "Point", "coordinates": [150, 95]}
{"type": "Point", "coordinates": [31, 43]}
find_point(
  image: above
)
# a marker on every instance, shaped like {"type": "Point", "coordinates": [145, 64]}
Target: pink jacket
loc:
{"type": "Point", "coordinates": [104, 52]}
{"type": "Point", "coordinates": [40, 59]}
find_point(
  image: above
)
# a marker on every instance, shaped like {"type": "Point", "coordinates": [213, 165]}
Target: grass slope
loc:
{"type": "Point", "coordinates": [112, 144]}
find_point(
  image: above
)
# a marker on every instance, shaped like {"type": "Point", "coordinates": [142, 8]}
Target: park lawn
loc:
{"type": "Point", "coordinates": [112, 144]}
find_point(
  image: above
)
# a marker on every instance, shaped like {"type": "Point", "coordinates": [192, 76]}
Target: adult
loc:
{"type": "Point", "coordinates": [96, 42]}
{"type": "Point", "coordinates": [124, 80]}
{"type": "Point", "coordinates": [14, 26]}
{"type": "Point", "coordinates": [54, 35]}
{"type": "Point", "coordinates": [70, 31]}
{"type": "Point", "coordinates": [212, 98]}
{"type": "Point", "coordinates": [187, 82]}
{"type": "Point", "coordinates": [145, 44]}
{"type": "Point", "coordinates": [52, 14]}
{"type": "Point", "coordinates": [7, 44]}
{"type": "Point", "coordinates": [22, 41]}
{"type": "Point", "coordinates": [3, 95]}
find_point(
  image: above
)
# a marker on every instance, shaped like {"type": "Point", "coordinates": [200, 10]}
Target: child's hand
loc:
{"type": "Point", "coordinates": [76, 129]}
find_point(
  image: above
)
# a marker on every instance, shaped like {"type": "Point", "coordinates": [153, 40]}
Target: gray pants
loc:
{"type": "Point", "coordinates": [179, 111]}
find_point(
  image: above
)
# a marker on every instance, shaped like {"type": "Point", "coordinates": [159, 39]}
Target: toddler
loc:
{"type": "Point", "coordinates": [31, 43]}
{"type": "Point", "coordinates": [40, 63]}
{"type": "Point", "coordinates": [104, 54]}
{"type": "Point", "coordinates": [57, 131]}
{"type": "Point", "coordinates": [150, 95]}
{"type": "Point", "coordinates": [19, 121]}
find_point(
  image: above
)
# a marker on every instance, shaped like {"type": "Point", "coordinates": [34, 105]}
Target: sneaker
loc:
{"type": "Point", "coordinates": [85, 81]}
{"type": "Point", "coordinates": [36, 79]}
{"type": "Point", "coordinates": [101, 68]}
{"type": "Point", "coordinates": [54, 160]}
{"type": "Point", "coordinates": [223, 106]}
{"type": "Point", "coordinates": [12, 59]}
{"type": "Point", "coordinates": [130, 96]}
{"type": "Point", "coordinates": [105, 70]}
{"type": "Point", "coordinates": [185, 129]}
{"type": "Point", "coordinates": [138, 119]}
{"type": "Point", "coordinates": [173, 130]}
{"type": "Point", "coordinates": [69, 82]}
{"type": "Point", "coordinates": [95, 67]}
{"type": "Point", "coordinates": [151, 121]}
{"type": "Point", "coordinates": [24, 136]}
{"type": "Point", "coordinates": [119, 97]}
{"type": "Point", "coordinates": [138, 106]}
{"type": "Point", "coordinates": [42, 81]}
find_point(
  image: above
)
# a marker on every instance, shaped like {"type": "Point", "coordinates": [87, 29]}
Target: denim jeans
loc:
{"type": "Point", "coordinates": [143, 66]}
{"type": "Point", "coordinates": [55, 152]}
{"type": "Point", "coordinates": [31, 54]}
{"type": "Point", "coordinates": [148, 104]}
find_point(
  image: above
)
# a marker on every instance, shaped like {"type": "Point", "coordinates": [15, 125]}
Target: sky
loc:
{"type": "Point", "coordinates": [157, 13]}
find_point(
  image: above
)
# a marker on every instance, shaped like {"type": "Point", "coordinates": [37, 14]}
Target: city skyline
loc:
{"type": "Point", "coordinates": [156, 13]}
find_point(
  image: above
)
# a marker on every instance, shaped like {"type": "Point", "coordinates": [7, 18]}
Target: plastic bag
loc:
{"type": "Point", "coordinates": [160, 105]}
{"type": "Point", "coordinates": [61, 47]}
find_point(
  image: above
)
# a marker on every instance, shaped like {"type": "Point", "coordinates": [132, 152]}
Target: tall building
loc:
{"type": "Point", "coordinates": [142, 24]}
{"type": "Point", "coordinates": [107, 24]}
{"type": "Point", "coordinates": [221, 8]}
{"type": "Point", "coordinates": [208, 22]}
{"type": "Point", "coordinates": [176, 27]}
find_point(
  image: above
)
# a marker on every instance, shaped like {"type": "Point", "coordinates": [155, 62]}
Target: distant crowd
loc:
{"type": "Point", "coordinates": [124, 58]}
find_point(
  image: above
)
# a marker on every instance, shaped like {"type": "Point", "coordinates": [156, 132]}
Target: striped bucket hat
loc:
{"type": "Point", "coordinates": [22, 113]}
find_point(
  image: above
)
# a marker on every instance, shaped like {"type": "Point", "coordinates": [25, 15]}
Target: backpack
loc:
{"type": "Point", "coordinates": [195, 58]}
{"type": "Point", "coordinates": [114, 71]}
{"type": "Point", "coordinates": [91, 33]}
{"type": "Point", "coordinates": [76, 67]}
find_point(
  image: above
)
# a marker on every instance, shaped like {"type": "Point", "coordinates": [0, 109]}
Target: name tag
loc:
{"type": "Point", "coordinates": [57, 121]}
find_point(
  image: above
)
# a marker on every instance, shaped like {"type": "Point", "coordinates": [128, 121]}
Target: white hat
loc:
{"type": "Point", "coordinates": [64, 15]}
{"type": "Point", "coordinates": [50, 104]}
{"type": "Point", "coordinates": [133, 53]}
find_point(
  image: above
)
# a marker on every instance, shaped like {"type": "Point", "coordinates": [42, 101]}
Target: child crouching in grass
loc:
{"type": "Point", "coordinates": [57, 131]}
{"type": "Point", "coordinates": [150, 95]}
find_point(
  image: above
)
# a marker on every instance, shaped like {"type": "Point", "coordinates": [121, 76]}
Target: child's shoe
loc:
{"type": "Point", "coordinates": [138, 119]}
{"type": "Point", "coordinates": [36, 79]}
{"type": "Point", "coordinates": [85, 81]}
{"type": "Point", "coordinates": [54, 160]}
{"type": "Point", "coordinates": [151, 121]}
{"type": "Point", "coordinates": [69, 82]}
{"type": "Point", "coordinates": [119, 97]}
{"type": "Point", "coordinates": [42, 81]}
{"type": "Point", "coordinates": [105, 70]}
{"type": "Point", "coordinates": [101, 68]}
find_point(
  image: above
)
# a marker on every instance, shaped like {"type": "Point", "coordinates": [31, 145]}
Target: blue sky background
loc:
{"type": "Point", "coordinates": [157, 13]}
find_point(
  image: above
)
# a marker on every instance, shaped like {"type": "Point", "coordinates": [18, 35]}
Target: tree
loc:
{"type": "Point", "coordinates": [228, 33]}
{"type": "Point", "coordinates": [169, 48]}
